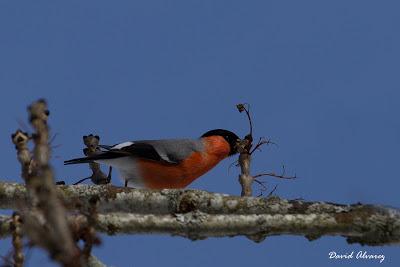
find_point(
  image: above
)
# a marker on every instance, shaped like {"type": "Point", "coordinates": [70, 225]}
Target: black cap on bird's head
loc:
{"type": "Point", "coordinates": [229, 136]}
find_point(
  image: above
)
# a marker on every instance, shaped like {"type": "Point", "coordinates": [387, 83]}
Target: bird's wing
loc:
{"type": "Point", "coordinates": [170, 151]}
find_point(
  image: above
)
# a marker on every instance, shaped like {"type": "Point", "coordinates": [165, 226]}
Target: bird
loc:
{"type": "Point", "coordinates": [166, 163]}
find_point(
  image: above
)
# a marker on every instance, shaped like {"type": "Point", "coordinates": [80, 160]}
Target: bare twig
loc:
{"type": "Point", "coordinates": [262, 141]}
{"type": "Point", "coordinates": [92, 147]}
{"type": "Point", "coordinates": [262, 184]}
{"type": "Point", "coordinates": [20, 140]}
{"type": "Point", "coordinates": [245, 150]}
{"type": "Point", "coordinates": [18, 253]}
{"type": "Point", "coordinates": [78, 182]}
{"type": "Point", "coordinates": [263, 187]}
{"type": "Point", "coordinates": [245, 178]}
{"type": "Point", "coordinates": [88, 235]}
{"type": "Point", "coordinates": [272, 174]}
{"type": "Point", "coordinates": [38, 175]}
{"type": "Point", "coordinates": [272, 191]}
{"type": "Point", "coordinates": [246, 108]}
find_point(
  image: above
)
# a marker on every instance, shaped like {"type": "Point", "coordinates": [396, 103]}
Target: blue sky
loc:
{"type": "Point", "coordinates": [321, 76]}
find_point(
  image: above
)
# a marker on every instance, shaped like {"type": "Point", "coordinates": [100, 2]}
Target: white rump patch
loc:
{"type": "Point", "coordinates": [127, 168]}
{"type": "Point", "coordinates": [124, 144]}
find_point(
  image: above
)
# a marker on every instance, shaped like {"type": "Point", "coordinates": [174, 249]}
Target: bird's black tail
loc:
{"type": "Point", "coordinates": [78, 161]}
{"type": "Point", "coordinates": [101, 155]}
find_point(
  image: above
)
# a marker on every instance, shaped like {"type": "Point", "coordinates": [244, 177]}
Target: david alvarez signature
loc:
{"type": "Point", "coordinates": [360, 255]}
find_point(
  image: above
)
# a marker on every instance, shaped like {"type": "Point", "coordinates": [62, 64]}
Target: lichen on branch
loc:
{"type": "Point", "coordinates": [197, 214]}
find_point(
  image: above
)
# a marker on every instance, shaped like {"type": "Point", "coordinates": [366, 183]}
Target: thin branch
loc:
{"type": "Point", "coordinates": [44, 203]}
{"type": "Point", "coordinates": [92, 147]}
{"type": "Point", "coordinates": [272, 191]}
{"type": "Point", "coordinates": [262, 184]}
{"type": "Point", "coordinates": [264, 188]}
{"type": "Point", "coordinates": [245, 178]}
{"type": "Point", "coordinates": [244, 147]}
{"type": "Point", "coordinates": [262, 141]}
{"type": "Point", "coordinates": [78, 182]}
{"type": "Point", "coordinates": [89, 234]}
{"type": "Point", "coordinates": [16, 229]}
{"type": "Point", "coordinates": [272, 174]}
{"type": "Point", "coordinates": [246, 108]}
{"type": "Point", "coordinates": [20, 139]}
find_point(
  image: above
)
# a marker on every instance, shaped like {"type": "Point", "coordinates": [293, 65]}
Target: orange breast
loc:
{"type": "Point", "coordinates": [158, 175]}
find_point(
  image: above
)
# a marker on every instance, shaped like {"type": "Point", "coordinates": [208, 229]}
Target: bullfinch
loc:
{"type": "Point", "coordinates": [168, 163]}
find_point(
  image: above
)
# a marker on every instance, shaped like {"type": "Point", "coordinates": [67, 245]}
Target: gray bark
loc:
{"type": "Point", "coordinates": [198, 214]}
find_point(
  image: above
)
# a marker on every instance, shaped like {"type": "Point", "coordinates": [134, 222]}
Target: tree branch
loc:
{"type": "Point", "coordinates": [44, 204]}
{"type": "Point", "coordinates": [198, 214]}
{"type": "Point", "coordinates": [92, 147]}
{"type": "Point", "coordinates": [15, 227]}
{"type": "Point", "coordinates": [245, 148]}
